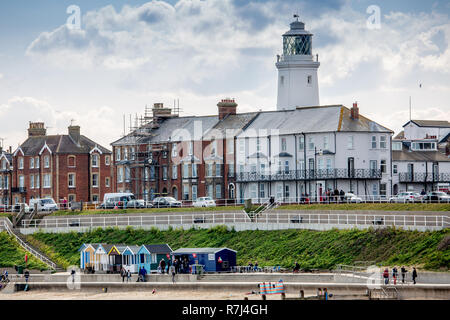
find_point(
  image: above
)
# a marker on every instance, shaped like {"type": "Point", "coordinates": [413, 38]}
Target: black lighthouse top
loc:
{"type": "Point", "coordinates": [297, 41]}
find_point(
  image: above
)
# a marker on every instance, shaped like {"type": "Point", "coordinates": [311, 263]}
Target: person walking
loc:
{"type": "Point", "coordinates": [414, 275]}
{"type": "Point", "coordinates": [27, 276]}
{"type": "Point", "coordinates": [296, 267]}
{"type": "Point", "coordinates": [394, 275]}
{"type": "Point", "coordinates": [172, 271]}
{"type": "Point", "coordinates": [162, 264]}
{"type": "Point", "coordinates": [342, 194]}
{"type": "Point", "coordinates": [73, 275]}
{"type": "Point", "coordinates": [404, 271]}
{"type": "Point", "coordinates": [144, 273]}
{"type": "Point", "coordinates": [386, 276]}
{"type": "Point", "coordinates": [123, 274]}
{"type": "Point", "coordinates": [128, 272]}
{"type": "Point", "coordinates": [256, 266]}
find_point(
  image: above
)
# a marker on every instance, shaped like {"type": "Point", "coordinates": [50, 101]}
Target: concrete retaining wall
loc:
{"type": "Point", "coordinates": [237, 226]}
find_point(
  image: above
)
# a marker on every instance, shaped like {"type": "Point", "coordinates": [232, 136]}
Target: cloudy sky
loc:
{"type": "Point", "coordinates": [127, 54]}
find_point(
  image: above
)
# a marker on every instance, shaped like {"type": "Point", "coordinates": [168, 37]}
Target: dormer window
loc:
{"type": "Point", "coordinates": [397, 146]}
{"type": "Point", "coordinates": [423, 146]}
{"type": "Point", "coordinates": [95, 160]}
{"type": "Point", "coordinates": [20, 162]}
{"type": "Point", "coordinates": [46, 162]}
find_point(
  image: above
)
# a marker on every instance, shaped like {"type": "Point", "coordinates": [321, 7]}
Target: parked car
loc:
{"type": "Point", "coordinates": [120, 200]}
{"type": "Point", "coordinates": [166, 202]}
{"type": "Point", "coordinates": [138, 204]}
{"type": "Point", "coordinates": [44, 204]}
{"type": "Point", "coordinates": [204, 202]}
{"type": "Point", "coordinates": [436, 196]}
{"type": "Point", "coordinates": [350, 197]}
{"type": "Point", "coordinates": [406, 197]}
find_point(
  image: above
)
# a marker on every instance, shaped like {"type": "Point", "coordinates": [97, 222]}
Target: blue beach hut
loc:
{"type": "Point", "coordinates": [130, 258]}
{"type": "Point", "coordinates": [149, 256]}
{"type": "Point", "coordinates": [213, 259]}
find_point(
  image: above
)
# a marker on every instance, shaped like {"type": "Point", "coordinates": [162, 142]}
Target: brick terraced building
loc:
{"type": "Point", "coordinates": [67, 166]}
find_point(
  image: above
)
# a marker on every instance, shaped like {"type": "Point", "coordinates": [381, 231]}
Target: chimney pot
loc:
{"type": "Point", "coordinates": [354, 112]}
{"type": "Point", "coordinates": [74, 133]}
{"type": "Point", "coordinates": [36, 129]}
{"type": "Point", "coordinates": [226, 106]}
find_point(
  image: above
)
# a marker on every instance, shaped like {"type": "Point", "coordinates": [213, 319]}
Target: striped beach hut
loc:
{"type": "Point", "coordinates": [149, 256]}
{"type": "Point", "coordinates": [130, 258]}
{"type": "Point", "coordinates": [101, 259]}
{"type": "Point", "coordinates": [87, 257]}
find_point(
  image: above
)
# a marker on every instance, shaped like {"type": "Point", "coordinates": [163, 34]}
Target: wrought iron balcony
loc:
{"type": "Point", "coordinates": [320, 174]}
{"type": "Point", "coordinates": [424, 177]}
{"type": "Point", "coordinates": [19, 190]}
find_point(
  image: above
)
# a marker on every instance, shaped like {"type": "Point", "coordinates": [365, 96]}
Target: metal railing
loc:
{"type": "Point", "coordinates": [423, 177]}
{"type": "Point", "coordinates": [275, 218]}
{"type": "Point", "coordinates": [9, 228]}
{"type": "Point", "coordinates": [318, 174]}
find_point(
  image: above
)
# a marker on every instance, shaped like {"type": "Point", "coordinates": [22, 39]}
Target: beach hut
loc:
{"type": "Point", "coordinates": [87, 257]}
{"type": "Point", "coordinates": [130, 258]}
{"type": "Point", "coordinates": [115, 257]}
{"type": "Point", "coordinates": [101, 260]}
{"type": "Point", "coordinates": [212, 259]}
{"type": "Point", "coordinates": [149, 256]}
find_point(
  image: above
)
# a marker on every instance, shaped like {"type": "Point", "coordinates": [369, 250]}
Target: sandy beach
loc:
{"type": "Point", "coordinates": [137, 295]}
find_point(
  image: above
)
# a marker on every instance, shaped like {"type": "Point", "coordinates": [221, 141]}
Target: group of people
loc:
{"type": "Point", "coordinates": [124, 273]}
{"type": "Point", "coordinates": [327, 196]}
{"type": "Point", "coordinates": [4, 277]}
{"type": "Point", "coordinates": [253, 267]}
{"type": "Point", "coordinates": [395, 275]}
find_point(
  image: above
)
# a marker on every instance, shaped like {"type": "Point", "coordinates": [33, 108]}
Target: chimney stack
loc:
{"type": "Point", "coordinates": [226, 106]}
{"type": "Point", "coordinates": [355, 111]}
{"type": "Point", "coordinates": [74, 133]}
{"type": "Point", "coordinates": [36, 129]}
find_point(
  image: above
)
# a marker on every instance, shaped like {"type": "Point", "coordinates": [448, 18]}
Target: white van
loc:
{"type": "Point", "coordinates": [44, 204]}
{"type": "Point", "coordinates": [121, 200]}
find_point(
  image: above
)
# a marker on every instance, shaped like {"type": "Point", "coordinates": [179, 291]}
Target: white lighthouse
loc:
{"type": "Point", "coordinates": [297, 70]}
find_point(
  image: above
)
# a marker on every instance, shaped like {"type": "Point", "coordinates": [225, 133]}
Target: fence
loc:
{"type": "Point", "coordinates": [292, 219]}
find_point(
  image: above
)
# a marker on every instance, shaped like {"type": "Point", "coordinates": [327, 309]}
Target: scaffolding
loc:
{"type": "Point", "coordinates": [143, 176]}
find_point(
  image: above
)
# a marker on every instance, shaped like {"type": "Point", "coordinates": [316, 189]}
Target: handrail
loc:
{"type": "Point", "coordinates": [8, 226]}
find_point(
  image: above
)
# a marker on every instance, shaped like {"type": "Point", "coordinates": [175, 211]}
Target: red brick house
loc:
{"type": "Point", "coordinates": [5, 177]}
{"type": "Point", "coordinates": [67, 166]}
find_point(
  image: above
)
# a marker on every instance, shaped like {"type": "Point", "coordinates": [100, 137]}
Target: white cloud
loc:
{"type": "Point", "coordinates": [18, 111]}
{"type": "Point", "coordinates": [202, 51]}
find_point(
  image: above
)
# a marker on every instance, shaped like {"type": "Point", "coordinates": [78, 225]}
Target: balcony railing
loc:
{"type": "Point", "coordinates": [424, 177]}
{"type": "Point", "coordinates": [19, 190]}
{"type": "Point", "coordinates": [321, 174]}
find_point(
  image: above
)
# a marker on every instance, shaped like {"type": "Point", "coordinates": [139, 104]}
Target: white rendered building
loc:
{"type": "Point", "coordinates": [309, 150]}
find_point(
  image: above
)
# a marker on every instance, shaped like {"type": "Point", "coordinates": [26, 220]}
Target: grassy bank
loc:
{"type": "Point", "coordinates": [12, 254]}
{"type": "Point", "coordinates": [149, 211]}
{"type": "Point", "coordinates": [312, 249]}
{"type": "Point", "coordinates": [371, 206]}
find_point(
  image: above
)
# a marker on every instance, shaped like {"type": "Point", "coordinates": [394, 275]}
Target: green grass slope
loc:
{"type": "Point", "coordinates": [12, 254]}
{"type": "Point", "coordinates": [312, 249]}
